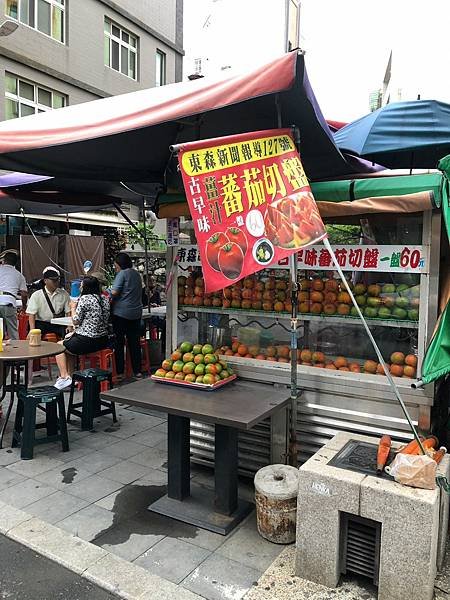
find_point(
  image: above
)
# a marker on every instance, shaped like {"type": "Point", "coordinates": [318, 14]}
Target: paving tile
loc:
{"type": "Point", "coordinates": [124, 471]}
{"type": "Point", "coordinates": [24, 493]}
{"type": "Point", "coordinates": [249, 548]}
{"type": "Point", "coordinates": [55, 507]}
{"type": "Point", "coordinates": [125, 448]}
{"type": "Point", "coordinates": [197, 536]}
{"type": "Point", "coordinates": [153, 437]}
{"type": "Point", "coordinates": [136, 496]}
{"type": "Point", "coordinates": [90, 522]}
{"type": "Point", "coordinates": [131, 538]}
{"type": "Point", "coordinates": [172, 559]}
{"type": "Point", "coordinates": [161, 427]}
{"type": "Point", "coordinates": [63, 477]}
{"type": "Point", "coordinates": [152, 457]}
{"type": "Point", "coordinates": [96, 440]}
{"type": "Point", "coordinates": [8, 478]}
{"type": "Point", "coordinates": [10, 455]}
{"type": "Point", "coordinates": [95, 461]}
{"type": "Point", "coordinates": [39, 464]}
{"type": "Point", "coordinates": [77, 450]}
{"type": "Point", "coordinates": [93, 488]}
{"type": "Point", "coordinates": [219, 578]}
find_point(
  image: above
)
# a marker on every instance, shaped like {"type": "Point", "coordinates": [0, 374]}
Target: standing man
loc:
{"type": "Point", "coordinates": [12, 284]}
{"type": "Point", "coordinates": [48, 303]}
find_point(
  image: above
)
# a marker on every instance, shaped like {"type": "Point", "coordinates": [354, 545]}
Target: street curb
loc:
{"type": "Point", "coordinates": [108, 571]}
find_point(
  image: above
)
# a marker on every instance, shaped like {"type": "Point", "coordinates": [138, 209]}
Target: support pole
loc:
{"type": "Point", "coordinates": [144, 222]}
{"type": "Point", "coordinates": [374, 344]}
{"type": "Point", "coordinates": [293, 449]}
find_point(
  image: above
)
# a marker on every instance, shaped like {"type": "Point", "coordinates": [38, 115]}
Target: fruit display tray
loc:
{"type": "Point", "coordinates": [197, 386]}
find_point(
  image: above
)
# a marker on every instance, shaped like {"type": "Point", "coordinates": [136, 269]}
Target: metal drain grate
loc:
{"type": "Point", "coordinates": [360, 546]}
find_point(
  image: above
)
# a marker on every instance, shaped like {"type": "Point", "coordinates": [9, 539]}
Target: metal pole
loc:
{"type": "Point", "coordinates": [374, 344]}
{"type": "Point", "coordinates": [293, 449]}
{"type": "Point", "coordinates": [144, 222]}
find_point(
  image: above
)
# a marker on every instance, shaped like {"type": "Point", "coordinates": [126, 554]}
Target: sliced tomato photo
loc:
{"type": "Point", "coordinates": [213, 245]}
{"type": "Point", "coordinates": [231, 260]}
{"type": "Point", "coordinates": [237, 236]}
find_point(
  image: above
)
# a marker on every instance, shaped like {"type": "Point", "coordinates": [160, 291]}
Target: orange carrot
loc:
{"type": "Point", "coordinates": [428, 444]}
{"type": "Point", "coordinates": [439, 454]}
{"type": "Point", "coordinates": [412, 447]}
{"type": "Point", "coordinates": [384, 448]}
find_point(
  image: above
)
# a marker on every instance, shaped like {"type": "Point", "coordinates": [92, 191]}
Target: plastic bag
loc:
{"type": "Point", "coordinates": [414, 470]}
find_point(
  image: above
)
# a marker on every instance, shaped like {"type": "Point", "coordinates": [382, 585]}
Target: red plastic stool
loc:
{"type": "Point", "coordinates": [103, 359]}
{"type": "Point", "coordinates": [22, 325]}
{"type": "Point", "coordinates": [145, 359]}
{"type": "Point", "coordinates": [51, 360]}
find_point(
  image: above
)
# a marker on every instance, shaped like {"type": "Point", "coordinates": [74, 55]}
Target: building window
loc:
{"type": "Point", "coordinates": [160, 68]}
{"type": "Point", "coordinates": [120, 49]}
{"type": "Point", "coordinates": [47, 16]}
{"type": "Point", "coordinates": [293, 19]}
{"type": "Point", "coordinates": [23, 98]}
{"type": "Point", "coordinates": [198, 66]}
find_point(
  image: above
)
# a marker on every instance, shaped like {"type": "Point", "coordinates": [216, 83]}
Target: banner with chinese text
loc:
{"type": "Point", "coordinates": [385, 259]}
{"type": "Point", "coordinates": [250, 202]}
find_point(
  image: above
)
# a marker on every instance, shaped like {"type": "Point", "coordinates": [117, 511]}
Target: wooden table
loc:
{"type": "Point", "coordinates": [239, 405]}
{"type": "Point", "coordinates": [16, 355]}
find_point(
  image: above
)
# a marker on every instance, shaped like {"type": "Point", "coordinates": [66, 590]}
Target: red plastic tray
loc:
{"type": "Point", "coordinates": [197, 386]}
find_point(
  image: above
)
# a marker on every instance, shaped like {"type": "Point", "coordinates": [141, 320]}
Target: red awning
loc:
{"type": "Point", "coordinates": [127, 137]}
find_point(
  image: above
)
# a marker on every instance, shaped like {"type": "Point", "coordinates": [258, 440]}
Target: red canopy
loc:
{"type": "Point", "coordinates": [127, 137]}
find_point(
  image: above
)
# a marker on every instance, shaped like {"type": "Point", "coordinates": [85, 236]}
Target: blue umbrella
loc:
{"type": "Point", "coordinates": [402, 135]}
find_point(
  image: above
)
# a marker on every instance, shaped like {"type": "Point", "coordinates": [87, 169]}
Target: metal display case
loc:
{"type": "Point", "coordinates": [337, 375]}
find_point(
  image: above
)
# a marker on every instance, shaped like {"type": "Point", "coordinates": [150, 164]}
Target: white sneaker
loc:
{"type": "Point", "coordinates": [63, 382]}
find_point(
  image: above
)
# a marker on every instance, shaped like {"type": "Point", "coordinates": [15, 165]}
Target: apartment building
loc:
{"type": "Point", "coordinates": [69, 51]}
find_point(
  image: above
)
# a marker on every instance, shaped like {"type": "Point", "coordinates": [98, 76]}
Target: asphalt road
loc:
{"type": "Point", "coordinates": [25, 575]}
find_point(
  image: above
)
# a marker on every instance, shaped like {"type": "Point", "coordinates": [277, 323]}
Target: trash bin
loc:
{"type": "Point", "coordinates": [276, 503]}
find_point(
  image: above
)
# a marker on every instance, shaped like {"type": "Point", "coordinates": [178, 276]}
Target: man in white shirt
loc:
{"type": "Point", "coordinates": [12, 284]}
{"type": "Point", "coordinates": [48, 303]}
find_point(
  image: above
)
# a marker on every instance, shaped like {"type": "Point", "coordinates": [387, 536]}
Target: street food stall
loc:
{"type": "Point", "coordinates": [386, 231]}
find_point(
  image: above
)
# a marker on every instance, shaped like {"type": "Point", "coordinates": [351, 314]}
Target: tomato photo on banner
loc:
{"type": "Point", "coordinates": [250, 202]}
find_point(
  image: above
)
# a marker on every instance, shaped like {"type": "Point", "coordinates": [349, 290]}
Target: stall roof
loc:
{"type": "Point", "coordinates": [354, 189]}
{"type": "Point", "coordinates": [127, 137]}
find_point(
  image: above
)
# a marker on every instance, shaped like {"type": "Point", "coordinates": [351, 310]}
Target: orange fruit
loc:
{"type": "Point", "coordinates": [317, 284]}
{"type": "Point", "coordinates": [370, 366]}
{"type": "Point", "coordinates": [340, 362]}
{"type": "Point", "coordinates": [398, 358]}
{"type": "Point", "coordinates": [396, 370]}
{"type": "Point", "coordinates": [409, 371]}
{"type": "Point", "coordinates": [242, 350]}
{"type": "Point", "coordinates": [306, 355]}
{"type": "Point", "coordinates": [176, 355]}
{"type": "Point", "coordinates": [410, 360]}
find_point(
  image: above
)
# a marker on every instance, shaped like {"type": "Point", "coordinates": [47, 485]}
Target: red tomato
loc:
{"type": "Point", "coordinates": [213, 245]}
{"type": "Point", "coordinates": [231, 260]}
{"type": "Point", "coordinates": [238, 237]}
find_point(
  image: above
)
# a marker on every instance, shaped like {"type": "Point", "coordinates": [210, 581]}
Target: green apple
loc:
{"type": "Point", "coordinates": [402, 302]}
{"type": "Point", "coordinates": [370, 312]}
{"type": "Point", "coordinates": [384, 313]}
{"type": "Point", "coordinates": [399, 313]}
{"type": "Point", "coordinates": [360, 299]}
{"type": "Point", "coordinates": [413, 314]}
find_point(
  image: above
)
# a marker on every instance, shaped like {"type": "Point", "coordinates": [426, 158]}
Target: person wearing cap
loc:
{"type": "Point", "coordinates": [12, 284]}
{"type": "Point", "coordinates": [48, 303]}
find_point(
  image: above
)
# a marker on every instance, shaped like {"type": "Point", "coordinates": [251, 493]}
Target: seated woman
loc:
{"type": "Point", "coordinates": [90, 318]}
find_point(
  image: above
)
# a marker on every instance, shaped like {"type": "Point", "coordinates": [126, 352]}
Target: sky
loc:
{"type": "Point", "coordinates": [347, 45]}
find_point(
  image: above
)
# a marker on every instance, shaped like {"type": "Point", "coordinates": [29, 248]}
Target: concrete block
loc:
{"type": "Point", "coordinates": [63, 548]}
{"type": "Point", "coordinates": [410, 521]}
{"type": "Point", "coordinates": [443, 469]}
{"type": "Point", "coordinates": [324, 491]}
{"type": "Point", "coordinates": [123, 578]}
{"type": "Point", "coordinates": [11, 517]}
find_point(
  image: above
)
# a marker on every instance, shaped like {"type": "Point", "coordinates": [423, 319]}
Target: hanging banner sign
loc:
{"type": "Point", "coordinates": [385, 259]}
{"type": "Point", "coordinates": [250, 202]}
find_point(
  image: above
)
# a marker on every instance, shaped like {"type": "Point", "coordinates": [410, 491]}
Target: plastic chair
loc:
{"type": "Point", "coordinates": [22, 325]}
{"type": "Point", "coordinates": [145, 359]}
{"type": "Point", "coordinates": [25, 422]}
{"type": "Point", "coordinates": [91, 404]}
{"type": "Point", "coordinates": [103, 359]}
